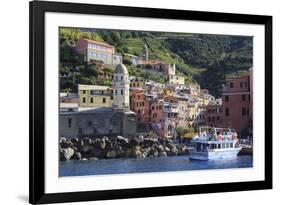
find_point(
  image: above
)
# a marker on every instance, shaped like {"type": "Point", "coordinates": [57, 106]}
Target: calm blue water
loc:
{"type": "Point", "coordinates": [122, 166]}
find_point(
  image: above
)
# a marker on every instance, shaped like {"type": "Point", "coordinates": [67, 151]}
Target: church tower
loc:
{"type": "Point", "coordinates": [121, 88]}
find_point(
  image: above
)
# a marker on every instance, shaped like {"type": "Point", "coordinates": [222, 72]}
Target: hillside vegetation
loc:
{"type": "Point", "coordinates": [206, 59]}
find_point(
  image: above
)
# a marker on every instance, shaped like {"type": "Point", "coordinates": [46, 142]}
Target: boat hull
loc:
{"type": "Point", "coordinates": [213, 155]}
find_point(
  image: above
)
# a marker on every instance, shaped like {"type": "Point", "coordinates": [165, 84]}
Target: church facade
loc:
{"type": "Point", "coordinates": [103, 121]}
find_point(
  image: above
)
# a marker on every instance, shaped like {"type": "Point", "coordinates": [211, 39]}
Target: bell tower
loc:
{"type": "Point", "coordinates": [121, 89]}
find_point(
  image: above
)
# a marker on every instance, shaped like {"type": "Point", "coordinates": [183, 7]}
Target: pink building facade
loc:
{"type": "Point", "coordinates": [237, 104]}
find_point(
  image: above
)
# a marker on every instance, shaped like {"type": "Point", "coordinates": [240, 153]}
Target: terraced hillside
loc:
{"type": "Point", "coordinates": [204, 58]}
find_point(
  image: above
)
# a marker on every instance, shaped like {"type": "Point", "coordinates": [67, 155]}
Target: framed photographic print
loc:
{"type": "Point", "coordinates": [140, 102]}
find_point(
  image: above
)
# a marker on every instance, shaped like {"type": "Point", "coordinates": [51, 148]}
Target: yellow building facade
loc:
{"type": "Point", "coordinates": [137, 83]}
{"type": "Point", "coordinates": [176, 79]}
{"type": "Point", "coordinates": [95, 96]}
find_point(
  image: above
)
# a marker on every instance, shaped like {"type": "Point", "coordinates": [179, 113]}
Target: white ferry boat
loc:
{"type": "Point", "coordinates": [215, 143]}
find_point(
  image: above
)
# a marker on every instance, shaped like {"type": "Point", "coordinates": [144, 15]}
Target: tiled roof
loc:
{"type": "Point", "coordinates": [92, 87]}
{"type": "Point", "coordinates": [97, 42]}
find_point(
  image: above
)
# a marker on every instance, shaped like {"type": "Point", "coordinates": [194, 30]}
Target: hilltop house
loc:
{"type": "Point", "coordinates": [99, 51]}
{"type": "Point", "coordinates": [158, 66]}
{"type": "Point", "coordinates": [176, 79]}
{"type": "Point", "coordinates": [134, 59]}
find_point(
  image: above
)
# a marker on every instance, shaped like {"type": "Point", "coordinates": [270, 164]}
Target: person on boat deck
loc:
{"type": "Point", "coordinates": [211, 133]}
{"type": "Point", "coordinates": [220, 136]}
{"type": "Point", "coordinates": [235, 137]}
{"type": "Point", "coordinates": [204, 133]}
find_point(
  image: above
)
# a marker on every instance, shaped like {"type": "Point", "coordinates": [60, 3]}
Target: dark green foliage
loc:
{"type": "Point", "coordinates": [213, 77]}
{"type": "Point", "coordinates": [127, 61]}
{"type": "Point", "coordinates": [181, 131]}
{"type": "Point", "coordinates": [90, 70]}
{"type": "Point", "coordinates": [148, 66]}
{"type": "Point", "coordinates": [202, 50]}
{"type": "Point", "coordinates": [68, 54]}
{"type": "Point", "coordinates": [108, 70]}
{"type": "Point", "coordinates": [219, 54]}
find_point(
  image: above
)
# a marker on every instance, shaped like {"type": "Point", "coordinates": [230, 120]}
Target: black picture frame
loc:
{"type": "Point", "coordinates": [37, 11]}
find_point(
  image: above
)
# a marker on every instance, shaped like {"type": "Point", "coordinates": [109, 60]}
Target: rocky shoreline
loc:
{"type": "Point", "coordinates": [118, 147]}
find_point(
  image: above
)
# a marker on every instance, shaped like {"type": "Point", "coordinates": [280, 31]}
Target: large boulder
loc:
{"type": "Point", "coordinates": [98, 153]}
{"type": "Point", "coordinates": [155, 153]}
{"type": "Point", "coordinates": [62, 139]}
{"type": "Point", "coordinates": [133, 142]}
{"type": "Point", "coordinates": [121, 139]}
{"type": "Point", "coordinates": [120, 153]}
{"type": "Point", "coordinates": [152, 152]}
{"type": "Point", "coordinates": [162, 154]}
{"type": "Point", "coordinates": [76, 156]}
{"type": "Point", "coordinates": [148, 142]}
{"type": "Point", "coordinates": [161, 141]}
{"type": "Point", "coordinates": [173, 152]}
{"type": "Point", "coordinates": [108, 145]}
{"type": "Point", "coordinates": [170, 145]}
{"type": "Point", "coordinates": [123, 142]}
{"type": "Point", "coordinates": [128, 153]}
{"type": "Point", "coordinates": [145, 151]}
{"type": "Point", "coordinates": [111, 154]}
{"type": "Point", "coordinates": [140, 138]}
{"type": "Point", "coordinates": [136, 152]}
{"type": "Point", "coordinates": [67, 153]}
{"type": "Point", "coordinates": [102, 143]}
{"type": "Point", "coordinates": [86, 148]}
{"type": "Point", "coordinates": [167, 149]}
{"type": "Point", "coordinates": [86, 141]}
{"type": "Point", "coordinates": [65, 143]}
{"type": "Point", "coordinates": [158, 147]}
{"type": "Point", "coordinates": [99, 144]}
{"type": "Point", "coordinates": [75, 141]}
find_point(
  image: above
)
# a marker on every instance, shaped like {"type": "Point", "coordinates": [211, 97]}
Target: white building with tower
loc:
{"type": "Point", "coordinates": [121, 88]}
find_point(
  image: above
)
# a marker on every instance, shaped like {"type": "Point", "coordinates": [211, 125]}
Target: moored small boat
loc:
{"type": "Point", "coordinates": [215, 143]}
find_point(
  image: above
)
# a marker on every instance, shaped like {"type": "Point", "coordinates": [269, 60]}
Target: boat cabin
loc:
{"type": "Point", "coordinates": [216, 145]}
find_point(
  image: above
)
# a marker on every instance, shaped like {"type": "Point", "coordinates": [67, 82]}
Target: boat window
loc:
{"type": "Point", "coordinates": [205, 147]}
{"type": "Point", "coordinates": [219, 146]}
{"type": "Point", "coordinates": [198, 147]}
{"type": "Point", "coordinates": [231, 145]}
{"type": "Point", "coordinates": [223, 145]}
{"type": "Point", "coordinates": [212, 146]}
{"type": "Point", "coordinates": [226, 145]}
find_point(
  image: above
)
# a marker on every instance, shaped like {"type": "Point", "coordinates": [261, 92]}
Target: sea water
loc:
{"type": "Point", "coordinates": [129, 165]}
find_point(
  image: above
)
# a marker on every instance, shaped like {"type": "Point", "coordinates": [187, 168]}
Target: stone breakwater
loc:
{"type": "Point", "coordinates": [118, 147]}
